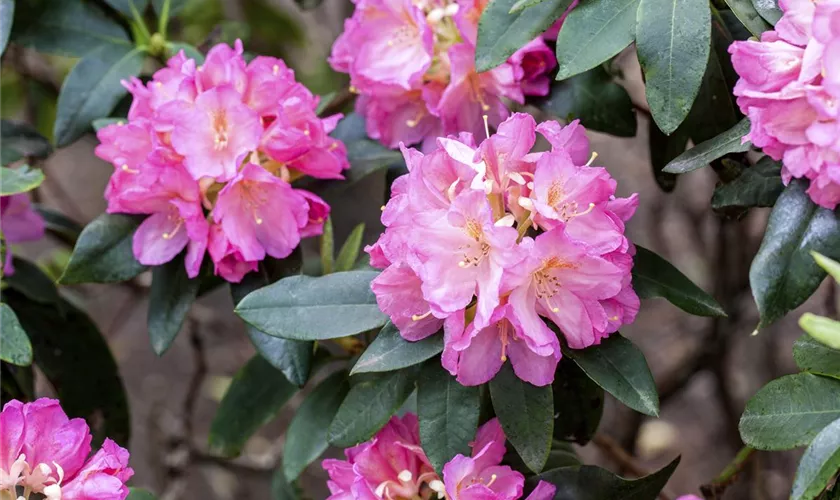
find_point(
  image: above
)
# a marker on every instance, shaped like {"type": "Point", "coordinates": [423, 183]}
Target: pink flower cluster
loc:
{"type": "Point", "coordinates": [44, 452]}
{"type": "Point", "coordinates": [226, 137]}
{"type": "Point", "coordinates": [413, 64]}
{"type": "Point", "coordinates": [487, 241]}
{"type": "Point", "coordinates": [790, 90]}
{"type": "Point", "coordinates": [19, 223]}
{"type": "Point", "coordinates": [392, 465]}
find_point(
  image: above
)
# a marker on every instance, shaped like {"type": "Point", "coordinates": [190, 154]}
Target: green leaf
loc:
{"type": "Point", "coordinates": [19, 140]}
{"type": "Point", "coordinates": [389, 351]}
{"type": "Point", "coordinates": [596, 31]}
{"type": "Point", "coordinates": [29, 280]}
{"type": "Point", "coordinates": [306, 308]}
{"type": "Point", "coordinates": [706, 152]}
{"type": "Point", "coordinates": [15, 347]}
{"type": "Point", "coordinates": [619, 367]}
{"type": "Point", "coordinates": [824, 330]}
{"type": "Point", "coordinates": [757, 186]}
{"type": "Point", "coordinates": [124, 6]}
{"type": "Point", "coordinates": [523, 4]}
{"type": "Point", "coordinates": [769, 10]}
{"type": "Point", "coordinates": [813, 356]}
{"type": "Point", "coordinates": [654, 276]}
{"type": "Point", "coordinates": [139, 494]}
{"type": "Point", "coordinates": [578, 403]}
{"type": "Point", "coordinates": [819, 464]}
{"type": "Point", "coordinates": [79, 365]}
{"type": "Point", "coordinates": [369, 405]}
{"type": "Point", "coordinates": [59, 225]}
{"type": "Point", "coordinates": [832, 267]}
{"type": "Point", "coordinates": [789, 411]}
{"type": "Point", "coordinates": [175, 6]}
{"type": "Point", "coordinates": [93, 88]}
{"type": "Point", "coordinates": [103, 253]}
{"type": "Point", "coordinates": [306, 437]}
{"type": "Point", "coordinates": [189, 51]}
{"type": "Point", "coordinates": [367, 157]}
{"type": "Point", "coordinates": [349, 252]}
{"type": "Point", "coordinates": [664, 148]}
{"type": "Point", "coordinates": [587, 482]}
{"type": "Point", "coordinates": [501, 33]}
{"type": "Point", "coordinates": [170, 298]}
{"type": "Point", "coordinates": [281, 489]}
{"type": "Point", "coordinates": [101, 123]}
{"type": "Point", "coordinates": [713, 111]}
{"type": "Point", "coordinates": [19, 180]}
{"type": "Point", "coordinates": [327, 247]}
{"type": "Point", "coordinates": [7, 13]}
{"type": "Point", "coordinates": [448, 414]}
{"type": "Point", "coordinates": [673, 39]}
{"type": "Point", "coordinates": [254, 398]}
{"type": "Point", "coordinates": [595, 99]}
{"type": "Point", "coordinates": [783, 273]}
{"type": "Point", "coordinates": [526, 413]}
{"type": "Point", "coordinates": [749, 17]}
{"type": "Point", "coordinates": [68, 28]}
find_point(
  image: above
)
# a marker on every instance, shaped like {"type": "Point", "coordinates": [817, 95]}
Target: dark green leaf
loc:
{"type": "Point", "coordinates": [654, 276]}
{"type": "Point", "coordinates": [673, 38]}
{"type": "Point", "coordinates": [448, 414]}
{"type": "Point", "coordinates": [20, 140]}
{"type": "Point", "coordinates": [735, 27]}
{"type": "Point", "coordinates": [578, 404]}
{"type": "Point", "coordinates": [664, 148]}
{"type": "Point", "coordinates": [783, 273]}
{"type": "Point", "coordinates": [713, 111]}
{"type": "Point", "coordinates": [819, 464]}
{"type": "Point", "coordinates": [526, 413]}
{"type": "Point", "coordinates": [93, 88]}
{"type": "Point", "coordinates": [175, 6]}
{"type": "Point", "coordinates": [103, 253]}
{"type": "Point", "coordinates": [596, 31]}
{"type": "Point", "coordinates": [389, 351]}
{"type": "Point", "coordinates": [620, 368]}
{"type": "Point", "coordinates": [595, 99]}
{"type": "Point", "coordinates": [170, 298]}
{"type": "Point", "coordinates": [704, 153]}
{"type": "Point", "coordinates": [501, 33]}
{"type": "Point", "coordinates": [308, 4]}
{"type": "Point", "coordinates": [757, 186]}
{"type": "Point", "coordinates": [17, 382]}
{"type": "Point", "coordinates": [587, 482]}
{"type": "Point", "coordinates": [789, 411]}
{"type": "Point", "coordinates": [349, 252]}
{"type": "Point", "coordinates": [19, 180]}
{"type": "Point", "coordinates": [79, 366]}
{"type": "Point", "coordinates": [306, 438]}
{"type": "Point", "coordinates": [815, 357]}
{"type": "Point", "coordinates": [189, 51]}
{"type": "Point", "coordinates": [367, 157]}
{"type": "Point", "coordinates": [15, 347]}
{"type": "Point", "coordinates": [30, 281]}
{"type": "Point", "coordinates": [769, 10]}
{"type": "Point", "coordinates": [7, 13]}
{"type": "Point", "coordinates": [562, 454]}
{"type": "Point", "coordinates": [306, 308]}
{"type": "Point", "coordinates": [124, 6]}
{"type": "Point", "coordinates": [254, 398]}
{"type": "Point", "coordinates": [139, 494]}
{"type": "Point", "coordinates": [749, 17]}
{"type": "Point", "coordinates": [69, 28]}
{"type": "Point", "coordinates": [369, 405]}
{"type": "Point", "coordinates": [59, 225]}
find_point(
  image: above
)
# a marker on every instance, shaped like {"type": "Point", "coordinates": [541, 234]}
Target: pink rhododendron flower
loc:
{"type": "Point", "coordinates": [689, 497]}
{"type": "Point", "coordinates": [412, 62]}
{"type": "Point", "coordinates": [19, 223]}
{"type": "Point", "coordinates": [392, 465]}
{"type": "Point", "coordinates": [44, 452]}
{"type": "Point", "coordinates": [490, 241]}
{"type": "Point", "coordinates": [790, 89]}
{"type": "Point", "coordinates": [209, 152]}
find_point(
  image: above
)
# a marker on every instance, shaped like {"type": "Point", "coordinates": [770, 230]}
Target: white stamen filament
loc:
{"type": "Point", "coordinates": [485, 118]}
{"type": "Point", "coordinates": [492, 480]}
{"type": "Point", "coordinates": [404, 476]}
{"type": "Point", "coordinates": [415, 317]}
{"type": "Point", "coordinates": [592, 158]}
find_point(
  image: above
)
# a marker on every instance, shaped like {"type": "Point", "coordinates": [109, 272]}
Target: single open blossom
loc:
{"type": "Point", "coordinates": [412, 62]}
{"type": "Point", "coordinates": [44, 452]}
{"type": "Point", "coordinates": [19, 223]}
{"type": "Point", "coordinates": [392, 466]}
{"type": "Point", "coordinates": [209, 152]}
{"type": "Point", "coordinates": [490, 241]}
{"type": "Point", "coordinates": [790, 90]}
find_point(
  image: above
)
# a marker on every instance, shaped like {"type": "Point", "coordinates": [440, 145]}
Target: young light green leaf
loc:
{"type": "Point", "coordinates": [15, 347]}
{"type": "Point", "coordinates": [369, 405]}
{"type": "Point", "coordinates": [306, 437]}
{"type": "Point", "coordinates": [749, 17]}
{"type": "Point", "coordinates": [824, 330]}
{"type": "Point", "coordinates": [501, 33]}
{"type": "Point", "coordinates": [19, 180]}
{"type": "Point", "coordinates": [19, 140]}
{"type": "Point", "coordinates": [815, 357]}
{"type": "Point", "coordinates": [757, 186]}
{"type": "Point", "coordinates": [819, 464]}
{"type": "Point", "coordinates": [350, 249]}
{"type": "Point", "coordinates": [526, 413]}
{"type": "Point", "coordinates": [704, 153]}
{"type": "Point", "coordinates": [389, 351]}
{"type": "Point", "coordinates": [789, 411]}
{"type": "Point", "coordinates": [783, 274]}
{"type": "Point", "coordinates": [93, 88]}
{"type": "Point", "coordinates": [673, 40]}
{"type": "Point", "coordinates": [170, 298]}
{"type": "Point", "coordinates": [596, 31]}
{"type": "Point", "coordinates": [448, 414]}
{"type": "Point", "coordinates": [254, 398]}
{"type": "Point", "coordinates": [832, 267]}
{"type": "Point", "coordinates": [654, 276]}
{"type": "Point", "coordinates": [620, 368]}
{"type": "Point", "coordinates": [306, 308]}
{"type": "Point", "coordinates": [327, 248]}
{"type": "Point", "coordinates": [103, 252]}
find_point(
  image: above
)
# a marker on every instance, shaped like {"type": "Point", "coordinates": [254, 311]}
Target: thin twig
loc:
{"type": "Point", "coordinates": [716, 488]}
